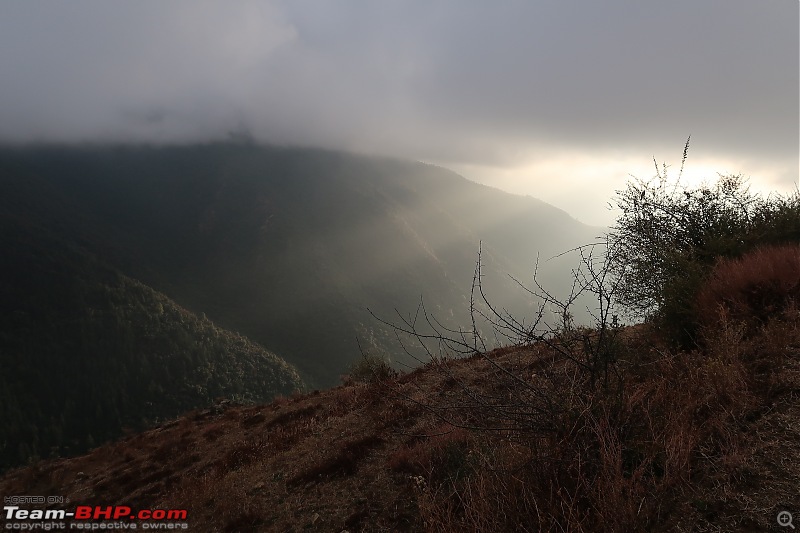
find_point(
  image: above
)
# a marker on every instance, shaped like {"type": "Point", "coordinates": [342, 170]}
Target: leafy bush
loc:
{"type": "Point", "coordinates": [668, 238]}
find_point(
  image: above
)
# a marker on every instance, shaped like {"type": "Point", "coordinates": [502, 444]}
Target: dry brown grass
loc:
{"type": "Point", "coordinates": [437, 454]}
{"type": "Point", "coordinates": [754, 288]}
{"type": "Point", "coordinates": [670, 444]}
{"type": "Point", "coordinates": [343, 462]}
{"type": "Point", "coordinates": [687, 441]}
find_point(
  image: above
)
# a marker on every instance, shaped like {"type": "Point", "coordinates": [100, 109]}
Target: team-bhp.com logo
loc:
{"type": "Point", "coordinates": [94, 517]}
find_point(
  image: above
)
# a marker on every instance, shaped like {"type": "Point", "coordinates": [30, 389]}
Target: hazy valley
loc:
{"type": "Point", "coordinates": [124, 261]}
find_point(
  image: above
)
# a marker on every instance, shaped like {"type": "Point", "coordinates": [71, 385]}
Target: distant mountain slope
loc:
{"type": "Point", "coordinates": [86, 351]}
{"type": "Point", "coordinates": [290, 246]}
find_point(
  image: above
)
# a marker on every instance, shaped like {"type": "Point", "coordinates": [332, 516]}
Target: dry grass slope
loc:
{"type": "Point", "coordinates": [518, 439]}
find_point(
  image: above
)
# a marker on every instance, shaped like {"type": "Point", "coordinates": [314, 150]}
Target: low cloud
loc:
{"type": "Point", "coordinates": [481, 84]}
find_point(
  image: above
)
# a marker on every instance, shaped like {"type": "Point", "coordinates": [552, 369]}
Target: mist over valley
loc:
{"type": "Point", "coordinates": [293, 249]}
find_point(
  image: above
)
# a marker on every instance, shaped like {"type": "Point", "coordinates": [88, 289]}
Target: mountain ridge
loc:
{"type": "Point", "coordinates": [222, 228]}
{"type": "Point", "coordinates": [87, 351]}
{"type": "Point", "coordinates": [293, 249]}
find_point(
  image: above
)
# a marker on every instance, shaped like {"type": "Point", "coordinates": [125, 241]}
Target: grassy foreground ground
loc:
{"type": "Point", "coordinates": [513, 440]}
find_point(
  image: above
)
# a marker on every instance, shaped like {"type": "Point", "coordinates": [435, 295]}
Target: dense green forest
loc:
{"type": "Point", "coordinates": [87, 351]}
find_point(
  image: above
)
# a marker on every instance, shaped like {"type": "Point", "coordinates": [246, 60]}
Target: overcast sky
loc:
{"type": "Point", "coordinates": [557, 99]}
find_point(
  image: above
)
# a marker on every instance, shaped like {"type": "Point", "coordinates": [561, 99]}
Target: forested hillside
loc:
{"type": "Point", "coordinates": [140, 282]}
{"type": "Point", "coordinates": [291, 246]}
{"type": "Point", "coordinates": [86, 351]}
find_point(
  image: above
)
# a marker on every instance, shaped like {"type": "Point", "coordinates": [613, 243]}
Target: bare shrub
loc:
{"type": "Point", "coordinates": [545, 423]}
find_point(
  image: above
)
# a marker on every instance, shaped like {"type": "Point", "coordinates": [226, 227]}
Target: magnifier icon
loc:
{"type": "Point", "coordinates": [785, 519]}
